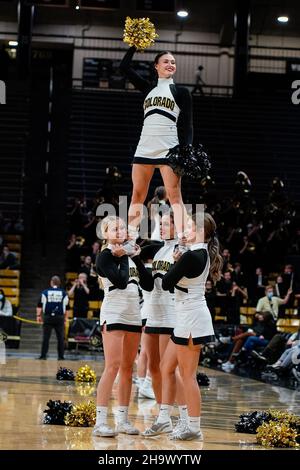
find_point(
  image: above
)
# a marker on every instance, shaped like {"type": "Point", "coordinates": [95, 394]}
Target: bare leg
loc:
{"type": "Point", "coordinates": [141, 177]}
{"type": "Point", "coordinates": [188, 358]}
{"type": "Point", "coordinates": [172, 183]}
{"type": "Point", "coordinates": [112, 343]}
{"type": "Point", "coordinates": [131, 343]}
{"type": "Point", "coordinates": [142, 362]}
{"type": "Point", "coordinates": [168, 366]}
{"type": "Point", "coordinates": [152, 347]}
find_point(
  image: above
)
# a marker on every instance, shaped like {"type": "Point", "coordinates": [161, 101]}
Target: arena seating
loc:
{"type": "Point", "coordinates": [240, 134]}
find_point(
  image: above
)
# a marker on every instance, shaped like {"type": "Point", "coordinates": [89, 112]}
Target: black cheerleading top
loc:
{"type": "Point", "coordinates": [164, 103]}
{"type": "Point", "coordinates": [191, 265]}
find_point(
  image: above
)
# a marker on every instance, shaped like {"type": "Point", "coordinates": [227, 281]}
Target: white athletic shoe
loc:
{"type": "Point", "coordinates": [103, 430]}
{"type": "Point", "coordinates": [127, 428]}
{"type": "Point", "coordinates": [186, 434]}
{"type": "Point", "coordinates": [146, 391]}
{"type": "Point", "coordinates": [181, 423]}
{"type": "Point", "coordinates": [158, 428]}
{"type": "Point", "coordinates": [227, 367]}
{"type": "Point", "coordinates": [129, 246]}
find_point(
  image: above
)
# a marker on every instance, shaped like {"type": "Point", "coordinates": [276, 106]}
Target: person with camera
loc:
{"type": "Point", "coordinates": [81, 293]}
{"type": "Point", "coordinates": [52, 311]}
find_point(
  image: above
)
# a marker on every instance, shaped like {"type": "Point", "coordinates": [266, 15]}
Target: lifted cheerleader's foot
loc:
{"type": "Point", "coordinates": [129, 246]}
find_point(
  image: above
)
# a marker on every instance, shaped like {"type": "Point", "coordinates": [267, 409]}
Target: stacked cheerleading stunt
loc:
{"type": "Point", "coordinates": [178, 320]}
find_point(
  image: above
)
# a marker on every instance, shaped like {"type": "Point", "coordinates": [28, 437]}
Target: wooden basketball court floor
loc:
{"type": "Point", "coordinates": [27, 384]}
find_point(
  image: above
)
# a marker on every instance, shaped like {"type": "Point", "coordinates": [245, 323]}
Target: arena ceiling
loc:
{"type": "Point", "coordinates": [204, 15]}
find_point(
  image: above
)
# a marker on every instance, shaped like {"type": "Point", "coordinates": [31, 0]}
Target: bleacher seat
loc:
{"type": "Point", "coordinates": [288, 325]}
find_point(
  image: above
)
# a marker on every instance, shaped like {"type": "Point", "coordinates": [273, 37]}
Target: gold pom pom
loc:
{"type": "Point", "coordinates": [85, 389]}
{"type": "Point", "coordinates": [276, 434]}
{"type": "Point", "coordinates": [85, 374]}
{"type": "Point", "coordinates": [285, 417]}
{"type": "Point", "coordinates": [82, 415]}
{"type": "Point", "coordinates": [139, 32]}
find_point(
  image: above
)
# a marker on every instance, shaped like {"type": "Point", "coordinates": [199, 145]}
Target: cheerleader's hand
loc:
{"type": "Point", "coordinates": [118, 251]}
{"type": "Point", "coordinates": [177, 254]}
{"type": "Point", "coordinates": [136, 252]}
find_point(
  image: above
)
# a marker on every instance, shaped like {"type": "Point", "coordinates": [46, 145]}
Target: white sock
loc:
{"type": "Point", "coordinates": [147, 381]}
{"type": "Point", "coordinates": [194, 423]}
{"type": "Point", "coordinates": [122, 416]}
{"type": "Point", "coordinates": [183, 412]}
{"type": "Point", "coordinates": [164, 413]}
{"type": "Point", "coordinates": [101, 416]}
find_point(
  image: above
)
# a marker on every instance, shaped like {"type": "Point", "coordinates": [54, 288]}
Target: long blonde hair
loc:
{"type": "Point", "coordinates": [216, 260]}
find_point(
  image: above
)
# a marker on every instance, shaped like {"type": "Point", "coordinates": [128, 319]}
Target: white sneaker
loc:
{"type": "Point", "coordinates": [129, 246]}
{"type": "Point", "coordinates": [103, 430]}
{"type": "Point", "coordinates": [146, 391]}
{"type": "Point", "coordinates": [181, 423]}
{"type": "Point", "coordinates": [186, 434]}
{"type": "Point", "coordinates": [227, 367]}
{"type": "Point", "coordinates": [158, 428]}
{"type": "Point", "coordinates": [127, 428]}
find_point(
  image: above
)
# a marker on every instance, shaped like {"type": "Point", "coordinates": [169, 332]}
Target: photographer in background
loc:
{"type": "Point", "coordinates": [81, 293]}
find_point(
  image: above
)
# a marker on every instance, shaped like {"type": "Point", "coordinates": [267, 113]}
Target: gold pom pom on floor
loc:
{"type": "Point", "coordinates": [82, 415]}
{"type": "Point", "coordinates": [277, 434]}
{"type": "Point", "coordinates": [86, 374]}
{"type": "Point", "coordinates": [139, 32]}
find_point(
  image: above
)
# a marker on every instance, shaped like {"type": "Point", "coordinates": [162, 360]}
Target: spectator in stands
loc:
{"type": "Point", "coordinates": [227, 266]}
{"type": "Point", "coordinates": [289, 282]}
{"type": "Point", "coordinates": [276, 346]}
{"type": "Point", "coordinates": [95, 250]}
{"type": "Point", "coordinates": [89, 228]}
{"type": "Point", "coordinates": [262, 331]}
{"type": "Point", "coordinates": [53, 305]}
{"type": "Point", "coordinates": [211, 298]}
{"type": "Point", "coordinates": [256, 286]}
{"type": "Point", "coordinates": [230, 298]}
{"type": "Point", "coordinates": [279, 288]}
{"type": "Point", "coordinates": [73, 253]}
{"type": "Point", "coordinates": [271, 303]}
{"type": "Point", "coordinates": [286, 359]}
{"type": "Point", "coordinates": [5, 305]}
{"type": "Point", "coordinates": [237, 274]}
{"type": "Point", "coordinates": [265, 330]}
{"type": "Point", "coordinates": [8, 259]}
{"type": "Point", "coordinates": [81, 293]}
{"type": "Point", "coordinates": [86, 267]}
{"type": "Point", "coordinates": [198, 81]}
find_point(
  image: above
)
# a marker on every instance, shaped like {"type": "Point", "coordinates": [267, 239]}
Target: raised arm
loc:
{"type": "Point", "coordinates": [106, 266]}
{"type": "Point", "coordinates": [139, 82]}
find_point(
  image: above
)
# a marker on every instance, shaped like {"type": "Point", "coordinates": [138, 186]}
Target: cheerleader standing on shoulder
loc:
{"type": "Point", "coordinates": [163, 104]}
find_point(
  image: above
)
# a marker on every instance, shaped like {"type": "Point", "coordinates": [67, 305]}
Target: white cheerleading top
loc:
{"type": "Point", "coordinates": [160, 304]}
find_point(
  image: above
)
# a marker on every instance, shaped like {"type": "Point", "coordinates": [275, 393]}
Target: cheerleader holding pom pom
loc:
{"type": "Point", "coordinates": [164, 102]}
